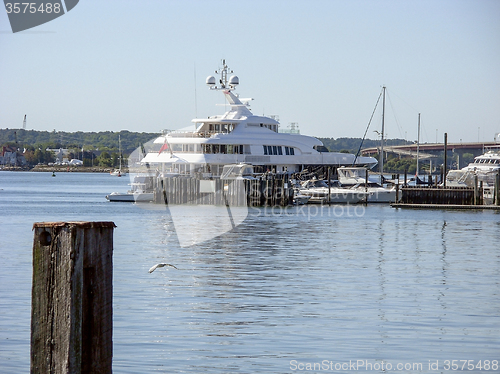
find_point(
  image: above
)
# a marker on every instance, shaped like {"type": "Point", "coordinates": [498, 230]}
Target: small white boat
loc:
{"type": "Point", "coordinates": [142, 191]}
{"type": "Point", "coordinates": [354, 178]}
{"type": "Point", "coordinates": [137, 196]}
{"type": "Point", "coordinates": [117, 172]}
{"type": "Point", "coordinates": [319, 192]}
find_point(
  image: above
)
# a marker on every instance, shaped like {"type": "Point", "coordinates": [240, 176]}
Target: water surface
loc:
{"type": "Point", "coordinates": [285, 289]}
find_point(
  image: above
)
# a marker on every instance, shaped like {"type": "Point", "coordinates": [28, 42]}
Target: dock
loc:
{"type": "Point", "coordinates": [440, 197]}
{"type": "Point", "coordinates": [446, 206]}
{"type": "Point", "coordinates": [267, 190]}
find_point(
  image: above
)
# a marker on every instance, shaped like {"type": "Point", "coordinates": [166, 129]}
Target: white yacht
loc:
{"type": "Point", "coordinates": [239, 136]}
{"type": "Point", "coordinates": [355, 179]}
{"type": "Point", "coordinates": [485, 167]}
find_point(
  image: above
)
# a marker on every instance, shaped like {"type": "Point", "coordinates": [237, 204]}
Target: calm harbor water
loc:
{"type": "Point", "coordinates": [288, 290]}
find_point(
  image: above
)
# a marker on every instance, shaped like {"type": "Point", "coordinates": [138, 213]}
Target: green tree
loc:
{"type": "Point", "coordinates": [105, 160]}
{"type": "Point", "coordinates": [467, 158]}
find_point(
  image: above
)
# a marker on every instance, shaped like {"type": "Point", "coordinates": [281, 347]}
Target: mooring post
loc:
{"type": "Point", "coordinates": [497, 188]}
{"type": "Point", "coordinates": [71, 307]}
{"type": "Point", "coordinates": [445, 159]}
{"type": "Point", "coordinates": [476, 189]}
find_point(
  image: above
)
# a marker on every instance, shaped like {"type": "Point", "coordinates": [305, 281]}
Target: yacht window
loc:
{"type": "Point", "coordinates": [241, 149]}
{"type": "Point", "coordinates": [211, 127]}
{"type": "Point", "coordinates": [287, 151]}
{"type": "Point", "coordinates": [280, 150]}
{"type": "Point", "coordinates": [292, 152]}
{"type": "Point", "coordinates": [223, 148]}
{"type": "Point", "coordinates": [275, 150]}
{"type": "Point", "coordinates": [217, 128]}
{"type": "Point", "coordinates": [190, 148]}
{"type": "Point", "coordinates": [177, 147]}
{"type": "Point", "coordinates": [265, 147]}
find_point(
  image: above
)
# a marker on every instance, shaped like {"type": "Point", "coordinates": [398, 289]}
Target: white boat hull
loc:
{"type": "Point", "coordinates": [380, 195]}
{"type": "Point", "coordinates": [337, 195]}
{"type": "Point", "coordinates": [130, 197]}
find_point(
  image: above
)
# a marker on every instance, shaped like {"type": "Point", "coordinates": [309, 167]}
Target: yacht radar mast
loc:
{"type": "Point", "coordinates": [225, 83]}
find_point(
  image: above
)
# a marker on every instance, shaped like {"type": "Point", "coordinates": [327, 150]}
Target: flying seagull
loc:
{"type": "Point", "coordinates": [160, 265]}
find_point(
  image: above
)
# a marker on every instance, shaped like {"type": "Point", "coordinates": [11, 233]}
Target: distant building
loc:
{"type": "Point", "coordinates": [11, 156]}
{"type": "Point", "coordinates": [60, 154]}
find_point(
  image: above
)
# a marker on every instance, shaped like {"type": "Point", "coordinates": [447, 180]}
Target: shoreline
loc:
{"type": "Point", "coordinates": [63, 169]}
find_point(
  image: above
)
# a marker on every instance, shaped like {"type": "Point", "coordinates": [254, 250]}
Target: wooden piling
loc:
{"type": "Point", "coordinates": [71, 313]}
{"type": "Point", "coordinates": [497, 188]}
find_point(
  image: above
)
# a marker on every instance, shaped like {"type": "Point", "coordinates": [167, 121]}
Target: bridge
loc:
{"type": "Point", "coordinates": [427, 151]}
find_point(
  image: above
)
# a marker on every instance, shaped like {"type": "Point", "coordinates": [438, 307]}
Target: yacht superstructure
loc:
{"type": "Point", "coordinates": [485, 167]}
{"type": "Point", "coordinates": [239, 136]}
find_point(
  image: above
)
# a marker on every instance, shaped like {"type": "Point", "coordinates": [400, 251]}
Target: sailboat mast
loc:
{"type": "Point", "coordinates": [418, 142]}
{"type": "Point", "coordinates": [120, 151]}
{"type": "Point", "coordinates": [382, 135]}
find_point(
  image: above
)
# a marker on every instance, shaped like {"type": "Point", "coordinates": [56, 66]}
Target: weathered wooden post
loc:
{"type": "Point", "coordinates": [476, 190]}
{"type": "Point", "coordinates": [497, 188]}
{"type": "Point", "coordinates": [329, 186]}
{"type": "Point", "coordinates": [71, 311]}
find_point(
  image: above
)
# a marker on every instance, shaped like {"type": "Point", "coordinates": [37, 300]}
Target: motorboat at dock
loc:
{"type": "Point", "coordinates": [356, 179]}
{"type": "Point", "coordinates": [320, 192]}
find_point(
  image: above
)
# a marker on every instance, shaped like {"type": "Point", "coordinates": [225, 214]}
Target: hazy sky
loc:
{"type": "Point", "coordinates": [141, 65]}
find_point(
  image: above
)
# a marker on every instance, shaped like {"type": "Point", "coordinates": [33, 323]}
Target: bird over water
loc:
{"type": "Point", "coordinates": [160, 265]}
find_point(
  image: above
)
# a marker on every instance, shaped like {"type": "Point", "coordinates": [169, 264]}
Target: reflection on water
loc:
{"type": "Point", "coordinates": [308, 285]}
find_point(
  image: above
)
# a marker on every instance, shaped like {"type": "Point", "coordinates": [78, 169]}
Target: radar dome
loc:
{"type": "Point", "coordinates": [234, 80]}
{"type": "Point", "coordinates": [210, 81]}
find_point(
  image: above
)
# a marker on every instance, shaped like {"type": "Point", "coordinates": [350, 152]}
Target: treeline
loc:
{"type": "Point", "coordinates": [351, 145]}
{"type": "Point", "coordinates": [103, 141]}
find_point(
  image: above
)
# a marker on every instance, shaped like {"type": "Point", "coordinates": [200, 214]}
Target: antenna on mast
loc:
{"type": "Point", "coordinates": [24, 122]}
{"type": "Point", "coordinates": [224, 82]}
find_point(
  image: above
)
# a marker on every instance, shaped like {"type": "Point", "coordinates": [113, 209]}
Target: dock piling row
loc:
{"type": "Point", "coordinates": [268, 190]}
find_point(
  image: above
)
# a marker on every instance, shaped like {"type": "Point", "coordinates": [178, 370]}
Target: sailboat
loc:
{"type": "Point", "coordinates": [119, 172]}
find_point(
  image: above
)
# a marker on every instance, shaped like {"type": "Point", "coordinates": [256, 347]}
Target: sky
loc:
{"type": "Point", "coordinates": [141, 66]}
